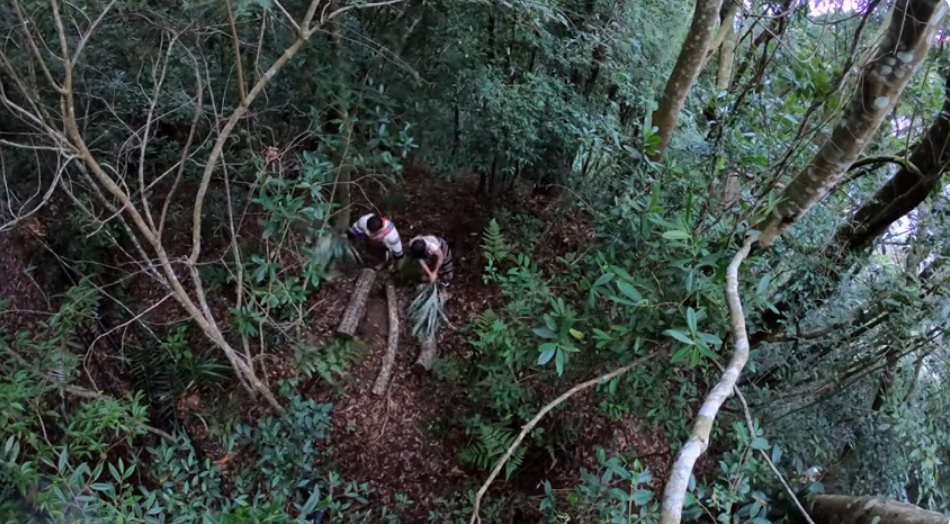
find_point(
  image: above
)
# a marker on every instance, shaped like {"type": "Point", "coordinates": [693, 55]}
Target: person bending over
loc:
{"type": "Point", "coordinates": [381, 236]}
{"type": "Point", "coordinates": [435, 258]}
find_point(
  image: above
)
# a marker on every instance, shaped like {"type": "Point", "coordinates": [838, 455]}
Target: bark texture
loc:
{"type": "Point", "coordinates": [355, 310]}
{"type": "Point", "coordinates": [908, 38]}
{"type": "Point", "coordinates": [727, 54]}
{"type": "Point", "coordinates": [687, 68]}
{"type": "Point", "coordinates": [389, 359]}
{"type": "Point", "coordinates": [843, 509]}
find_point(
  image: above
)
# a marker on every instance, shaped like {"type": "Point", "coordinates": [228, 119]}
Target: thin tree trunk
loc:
{"type": "Point", "coordinates": [844, 509]}
{"type": "Point", "coordinates": [727, 26]}
{"type": "Point", "coordinates": [353, 315]}
{"type": "Point", "coordinates": [908, 39]}
{"type": "Point", "coordinates": [341, 187]}
{"type": "Point", "coordinates": [389, 359]}
{"type": "Point", "coordinates": [727, 55]}
{"type": "Point", "coordinates": [344, 177]}
{"type": "Point", "coordinates": [685, 72]}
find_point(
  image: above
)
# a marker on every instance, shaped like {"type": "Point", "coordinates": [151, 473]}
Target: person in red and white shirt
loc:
{"type": "Point", "coordinates": [382, 236]}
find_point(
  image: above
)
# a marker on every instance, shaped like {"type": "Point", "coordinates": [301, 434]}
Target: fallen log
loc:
{"type": "Point", "coordinates": [355, 310]}
{"type": "Point", "coordinates": [426, 356]}
{"type": "Point", "coordinates": [386, 371]}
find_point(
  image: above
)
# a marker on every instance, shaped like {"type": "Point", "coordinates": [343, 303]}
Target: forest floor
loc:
{"type": "Point", "coordinates": [400, 444]}
{"type": "Point", "coordinates": [24, 300]}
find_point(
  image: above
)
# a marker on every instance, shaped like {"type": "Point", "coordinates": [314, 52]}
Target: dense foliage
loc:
{"type": "Point", "coordinates": [177, 178]}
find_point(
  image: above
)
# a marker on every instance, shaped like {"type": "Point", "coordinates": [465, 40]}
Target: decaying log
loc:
{"type": "Point", "coordinates": [386, 371]}
{"type": "Point", "coordinates": [355, 310]}
{"type": "Point", "coordinates": [427, 355]}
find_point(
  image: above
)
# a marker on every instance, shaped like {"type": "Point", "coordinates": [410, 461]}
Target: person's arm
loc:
{"type": "Point", "coordinates": [354, 231]}
{"type": "Point", "coordinates": [426, 271]}
{"type": "Point", "coordinates": [439, 257]}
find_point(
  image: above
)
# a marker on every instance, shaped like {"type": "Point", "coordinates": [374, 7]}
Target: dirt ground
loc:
{"type": "Point", "coordinates": [386, 442]}
{"type": "Point", "coordinates": [25, 301]}
{"type": "Point", "coordinates": [392, 443]}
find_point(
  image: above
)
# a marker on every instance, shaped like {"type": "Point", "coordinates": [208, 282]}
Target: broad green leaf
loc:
{"type": "Point", "coordinates": [618, 494]}
{"type": "Point", "coordinates": [691, 319]}
{"type": "Point", "coordinates": [681, 355]}
{"type": "Point", "coordinates": [545, 357]}
{"type": "Point", "coordinates": [763, 286]}
{"type": "Point", "coordinates": [759, 443]}
{"type": "Point", "coordinates": [606, 277]}
{"type": "Point", "coordinates": [679, 335]}
{"type": "Point", "coordinates": [675, 234]}
{"type": "Point", "coordinates": [641, 497]}
{"type": "Point", "coordinates": [776, 454]}
{"type": "Point", "coordinates": [544, 332]}
{"type": "Point", "coordinates": [629, 291]}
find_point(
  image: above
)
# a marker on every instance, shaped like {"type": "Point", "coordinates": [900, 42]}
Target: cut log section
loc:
{"type": "Point", "coordinates": [355, 310]}
{"type": "Point", "coordinates": [386, 371]}
{"type": "Point", "coordinates": [426, 356]}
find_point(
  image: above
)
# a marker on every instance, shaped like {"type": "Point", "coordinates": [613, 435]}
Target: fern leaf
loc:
{"type": "Point", "coordinates": [493, 242]}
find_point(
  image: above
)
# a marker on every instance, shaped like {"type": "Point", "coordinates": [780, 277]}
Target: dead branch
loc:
{"type": "Point", "coordinates": [242, 89]}
{"type": "Point", "coordinates": [199, 101]}
{"type": "Point", "coordinates": [674, 494]}
{"type": "Point", "coordinates": [537, 418]}
{"type": "Point", "coordinates": [386, 372]}
{"type": "Point", "coordinates": [107, 180]}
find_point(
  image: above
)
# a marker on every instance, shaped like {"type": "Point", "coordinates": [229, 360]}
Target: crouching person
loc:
{"type": "Point", "coordinates": [382, 239]}
{"type": "Point", "coordinates": [435, 258]}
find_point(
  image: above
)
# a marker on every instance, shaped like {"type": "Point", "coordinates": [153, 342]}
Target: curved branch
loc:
{"type": "Point", "coordinates": [674, 494]}
{"type": "Point", "coordinates": [884, 159]}
{"type": "Point", "coordinates": [537, 418]}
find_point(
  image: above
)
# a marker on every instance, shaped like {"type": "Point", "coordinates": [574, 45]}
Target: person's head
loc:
{"type": "Point", "coordinates": [374, 223]}
{"type": "Point", "coordinates": [418, 248]}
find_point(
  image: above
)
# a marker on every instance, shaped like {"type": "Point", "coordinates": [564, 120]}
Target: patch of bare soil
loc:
{"type": "Point", "coordinates": [388, 442]}
{"type": "Point", "coordinates": [25, 301]}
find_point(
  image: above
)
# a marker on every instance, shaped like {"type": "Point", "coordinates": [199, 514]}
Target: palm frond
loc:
{"type": "Point", "coordinates": [426, 310]}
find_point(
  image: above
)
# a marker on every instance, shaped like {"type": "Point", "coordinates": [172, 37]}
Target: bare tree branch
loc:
{"type": "Point", "coordinates": [537, 418]}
